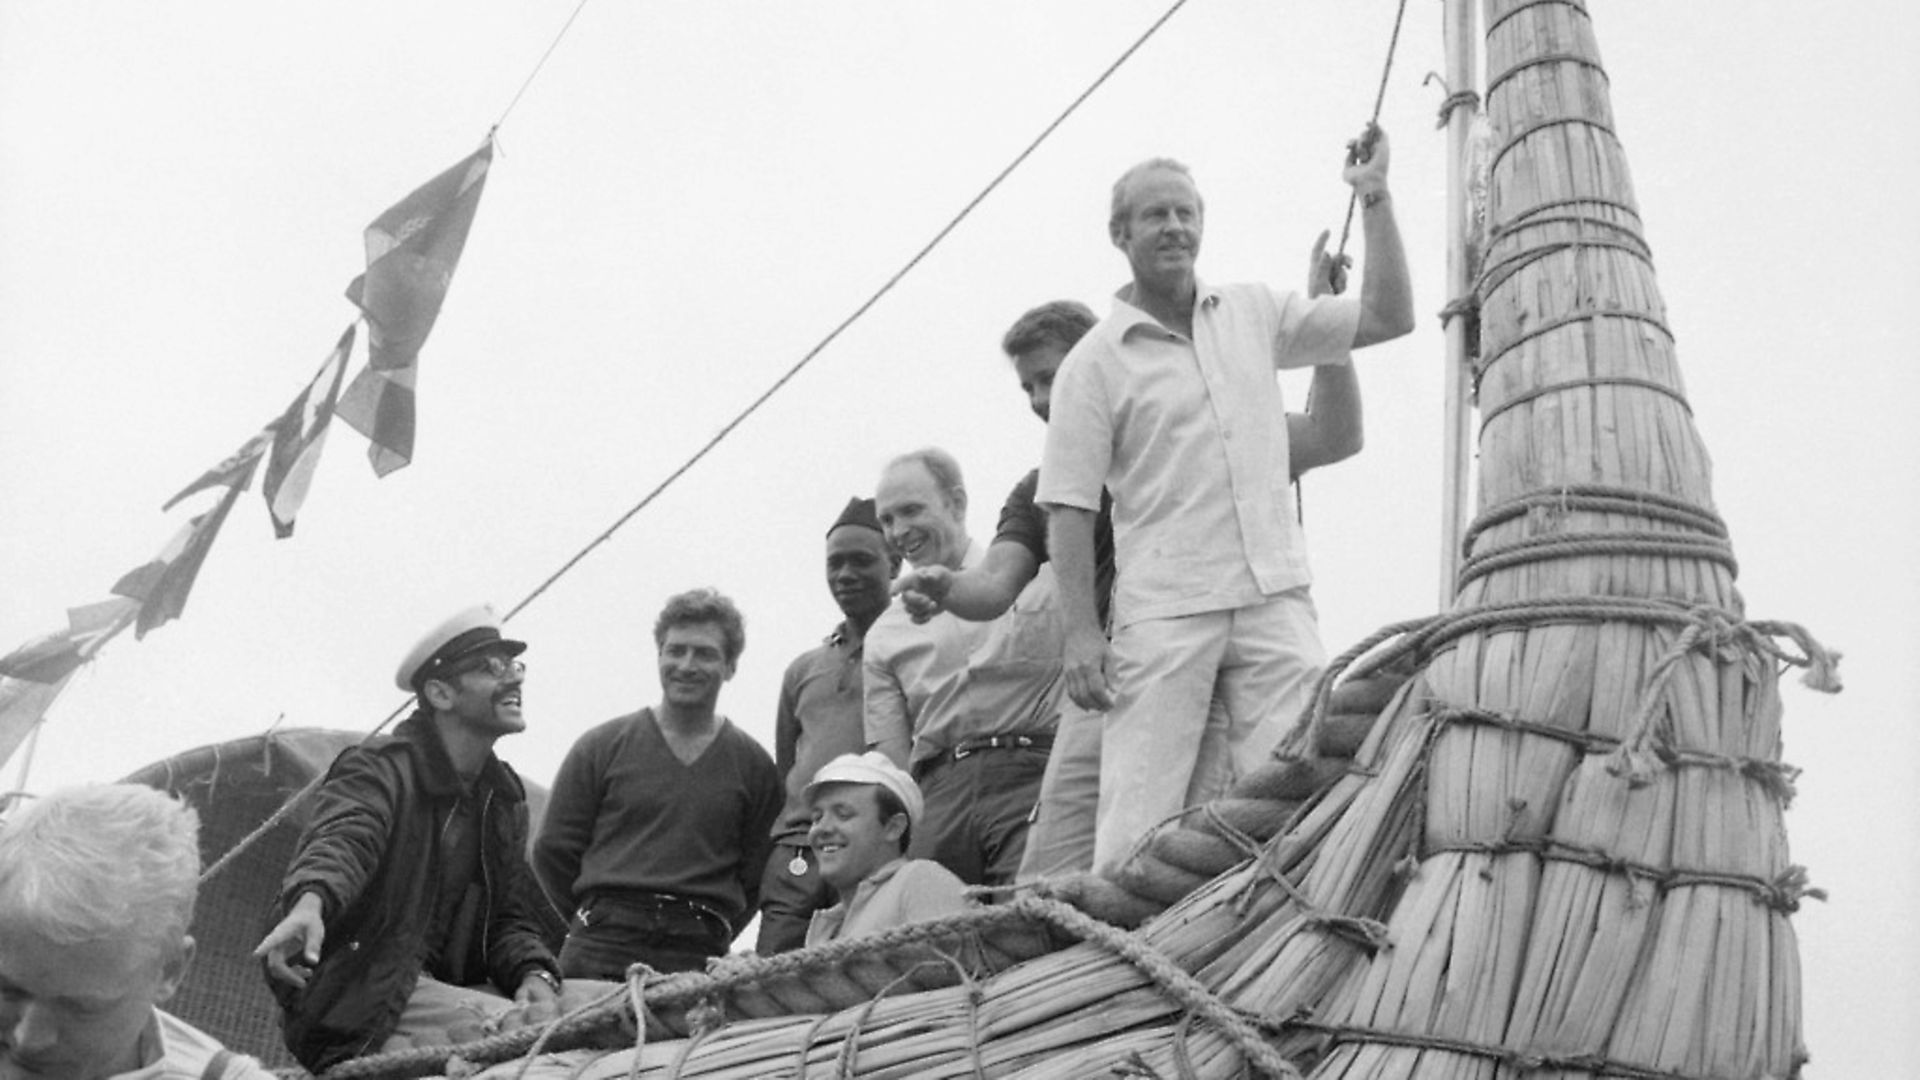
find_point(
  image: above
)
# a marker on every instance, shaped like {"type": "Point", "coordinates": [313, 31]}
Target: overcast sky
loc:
{"type": "Point", "coordinates": [692, 194]}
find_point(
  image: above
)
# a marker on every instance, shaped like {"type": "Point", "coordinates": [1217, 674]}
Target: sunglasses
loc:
{"type": "Point", "coordinates": [500, 667]}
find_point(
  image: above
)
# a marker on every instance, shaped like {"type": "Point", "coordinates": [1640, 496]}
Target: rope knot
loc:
{"type": "Point", "coordinates": [1789, 888]}
{"type": "Point", "coordinates": [1370, 934]}
{"type": "Point", "coordinates": [1455, 100]}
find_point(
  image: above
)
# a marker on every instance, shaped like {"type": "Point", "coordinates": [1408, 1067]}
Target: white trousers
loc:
{"type": "Point", "coordinates": [1162, 749]}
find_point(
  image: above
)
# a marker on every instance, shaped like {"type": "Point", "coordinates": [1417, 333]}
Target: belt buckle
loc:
{"type": "Point", "coordinates": [961, 751]}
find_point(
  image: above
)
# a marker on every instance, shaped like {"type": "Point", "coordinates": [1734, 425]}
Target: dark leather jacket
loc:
{"type": "Point", "coordinates": [371, 851]}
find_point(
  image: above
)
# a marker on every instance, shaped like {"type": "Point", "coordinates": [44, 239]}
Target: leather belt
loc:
{"type": "Point", "coordinates": [651, 901]}
{"type": "Point", "coordinates": [1011, 740]}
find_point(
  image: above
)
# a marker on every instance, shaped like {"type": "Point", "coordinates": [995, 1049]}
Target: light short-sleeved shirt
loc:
{"type": "Point", "coordinates": [176, 1050]}
{"type": "Point", "coordinates": [901, 892]}
{"type": "Point", "coordinates": [1190, 436]}
{"type": "Point", "coordinates": [948, 680]}
{"type": "Point", "coordinates": [819, 718]}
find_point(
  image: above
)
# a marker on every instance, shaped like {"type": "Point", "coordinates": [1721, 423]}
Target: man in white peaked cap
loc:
{"type": "Point", "coordinates": [408, 912]}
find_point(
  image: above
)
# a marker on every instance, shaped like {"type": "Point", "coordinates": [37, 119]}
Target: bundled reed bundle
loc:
{"type": "Point", "coordinates": [1602, 880]}
{"type": "Point", "coordinates": [1111, 1006]}
{"type": "Point", "coordinates": [1558, 849]}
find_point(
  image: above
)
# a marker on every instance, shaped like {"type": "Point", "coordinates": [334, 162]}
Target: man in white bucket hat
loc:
{"type": "Point", "coordinates": [864, 811]}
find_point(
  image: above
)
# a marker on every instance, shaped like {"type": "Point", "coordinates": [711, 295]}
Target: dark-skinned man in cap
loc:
{"type": "Point", "coordinates": [819, 718]}
{"type": "Point", "coordinates": [408, 915]}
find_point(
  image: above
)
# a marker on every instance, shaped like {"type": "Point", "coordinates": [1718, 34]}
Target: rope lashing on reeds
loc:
{"type": "Point", "coordinates": [1487, 415]}
{"type": "Point", "coordinates": [1187, 849]}
{"type": "Point", "coordinates": [1579, 9]}
{"type": "Point", "coordinates": [1531, 130]}
{"type": "Point", "coordinates": [1781, 893]}
{"type": "Point", "coordinates": [1491, 356]}
{"type": "Point", "coordinates": [1601, 499]}
{"type": "Point", "coordinates": [630, 1005]}
{"type": "Point", "coordinates": [1536, 549]}
{"type": "Point", "coordinates": [1610, 234]}
{"type": "Point", "coordinates": [1774, 777]}
{"type": "Point", "coordinates": [1548, 58]}
{"type": "Point", "coordinates": [1520, 1061]}
{"type": "Point", "coordinates": [1420, 638]}
{"type": "Point", "coordinates": [1649, 744]}
{"type": "Point", "coordinates": [1150, 868]}
{"type": "Point", "coordinates": [1520, 219]}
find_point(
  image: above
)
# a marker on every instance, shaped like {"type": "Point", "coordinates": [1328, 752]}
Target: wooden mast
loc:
{"type": "Point", "coordinates": [1462, 78]}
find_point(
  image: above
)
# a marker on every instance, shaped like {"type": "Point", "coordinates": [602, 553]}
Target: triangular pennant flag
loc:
{"type": "Point", "coordinates": [46, 659]}
{"type": "Point", "coordinates": [162, 585]}
{"type": "Point", "coordinates": [236, 469]}
{"type": "Point", "coordinates": [299, 436]}
{"type": "Point", "coordinates": [412, 251]}
{"type": "Point", "coordinates": [139, 582]}
{"type": "Point", "coordinates": [52, 657]}
{"type": "Point", "coordinates": [24, 703]}
{"type": "Point", "coordinates": [379, 404]}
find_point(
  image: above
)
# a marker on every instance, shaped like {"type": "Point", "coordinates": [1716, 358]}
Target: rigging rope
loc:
{"type": "Point", "coordinates": [926, 249]}
{"type": "Point", "coordinates": [286, 809]}
{"type": "Point", "coordinates": [1379, 99]}
{"type": "Point", "coordinates": [542, 62]}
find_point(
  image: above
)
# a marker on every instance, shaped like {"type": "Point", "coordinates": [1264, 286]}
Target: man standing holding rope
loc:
{"type": "Point", "coordinates": [1060, 839]}
{"type": "Point", "coordinates": [1169, 403]}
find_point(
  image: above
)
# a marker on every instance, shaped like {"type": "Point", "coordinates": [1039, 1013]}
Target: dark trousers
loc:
{"type": "Point", "coordinates": [788, 900]}
{"type": "Point", "coordinates": [977, 808]}
{"type": "Point", "coordinates": [667, 934]}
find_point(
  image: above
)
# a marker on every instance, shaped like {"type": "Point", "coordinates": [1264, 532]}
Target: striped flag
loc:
{"type": "Point", "coordinates": [299, 436]}
{"type": "Point", "coordinates": [52, 657]}
{"type": "Point", "coordinates": [33, 676]}
{"type": "Point", "coordinates": [235, 470]}
{"type": "Point", "coordinates": [412, 251]}
{"type": "Point", "coordinates": [162, 584]}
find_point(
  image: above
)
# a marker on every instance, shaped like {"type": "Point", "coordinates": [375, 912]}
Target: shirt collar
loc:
{"type": "Point", "coordinates": [883, 875]}
{"type": "Point", "coordinates": [153, 1050]}
{"type": "Point", "coordinates": [1127, 317]}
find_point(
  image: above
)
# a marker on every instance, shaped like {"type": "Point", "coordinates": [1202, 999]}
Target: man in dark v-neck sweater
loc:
{"type": "Point", "coordinates": [659, 823]}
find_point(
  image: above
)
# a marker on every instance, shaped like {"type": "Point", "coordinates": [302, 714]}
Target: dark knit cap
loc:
{"type": "Point", "coordinates": [859, 512]}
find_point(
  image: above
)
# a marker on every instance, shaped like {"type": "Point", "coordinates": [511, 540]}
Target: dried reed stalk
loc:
{"type": "Point", "coordinates": [1597, 895]}
{"type": "Point", "coordinates": [1568, 824]}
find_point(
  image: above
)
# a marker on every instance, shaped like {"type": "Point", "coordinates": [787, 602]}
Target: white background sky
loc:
{"type": "Point", "coordinates": [692, 194]}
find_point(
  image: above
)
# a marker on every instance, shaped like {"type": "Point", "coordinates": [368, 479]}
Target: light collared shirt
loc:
{"type": "Point", "coordinates": [948, 680]}
{"type": "Point", "coordinates": [1191, 438]}
{"type": "Point", "coordinates": [901, 892]}
{"type": "Point", "coordinates": [176, 1050]}
{"type": "Point", "coordinates": [820, 717]}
